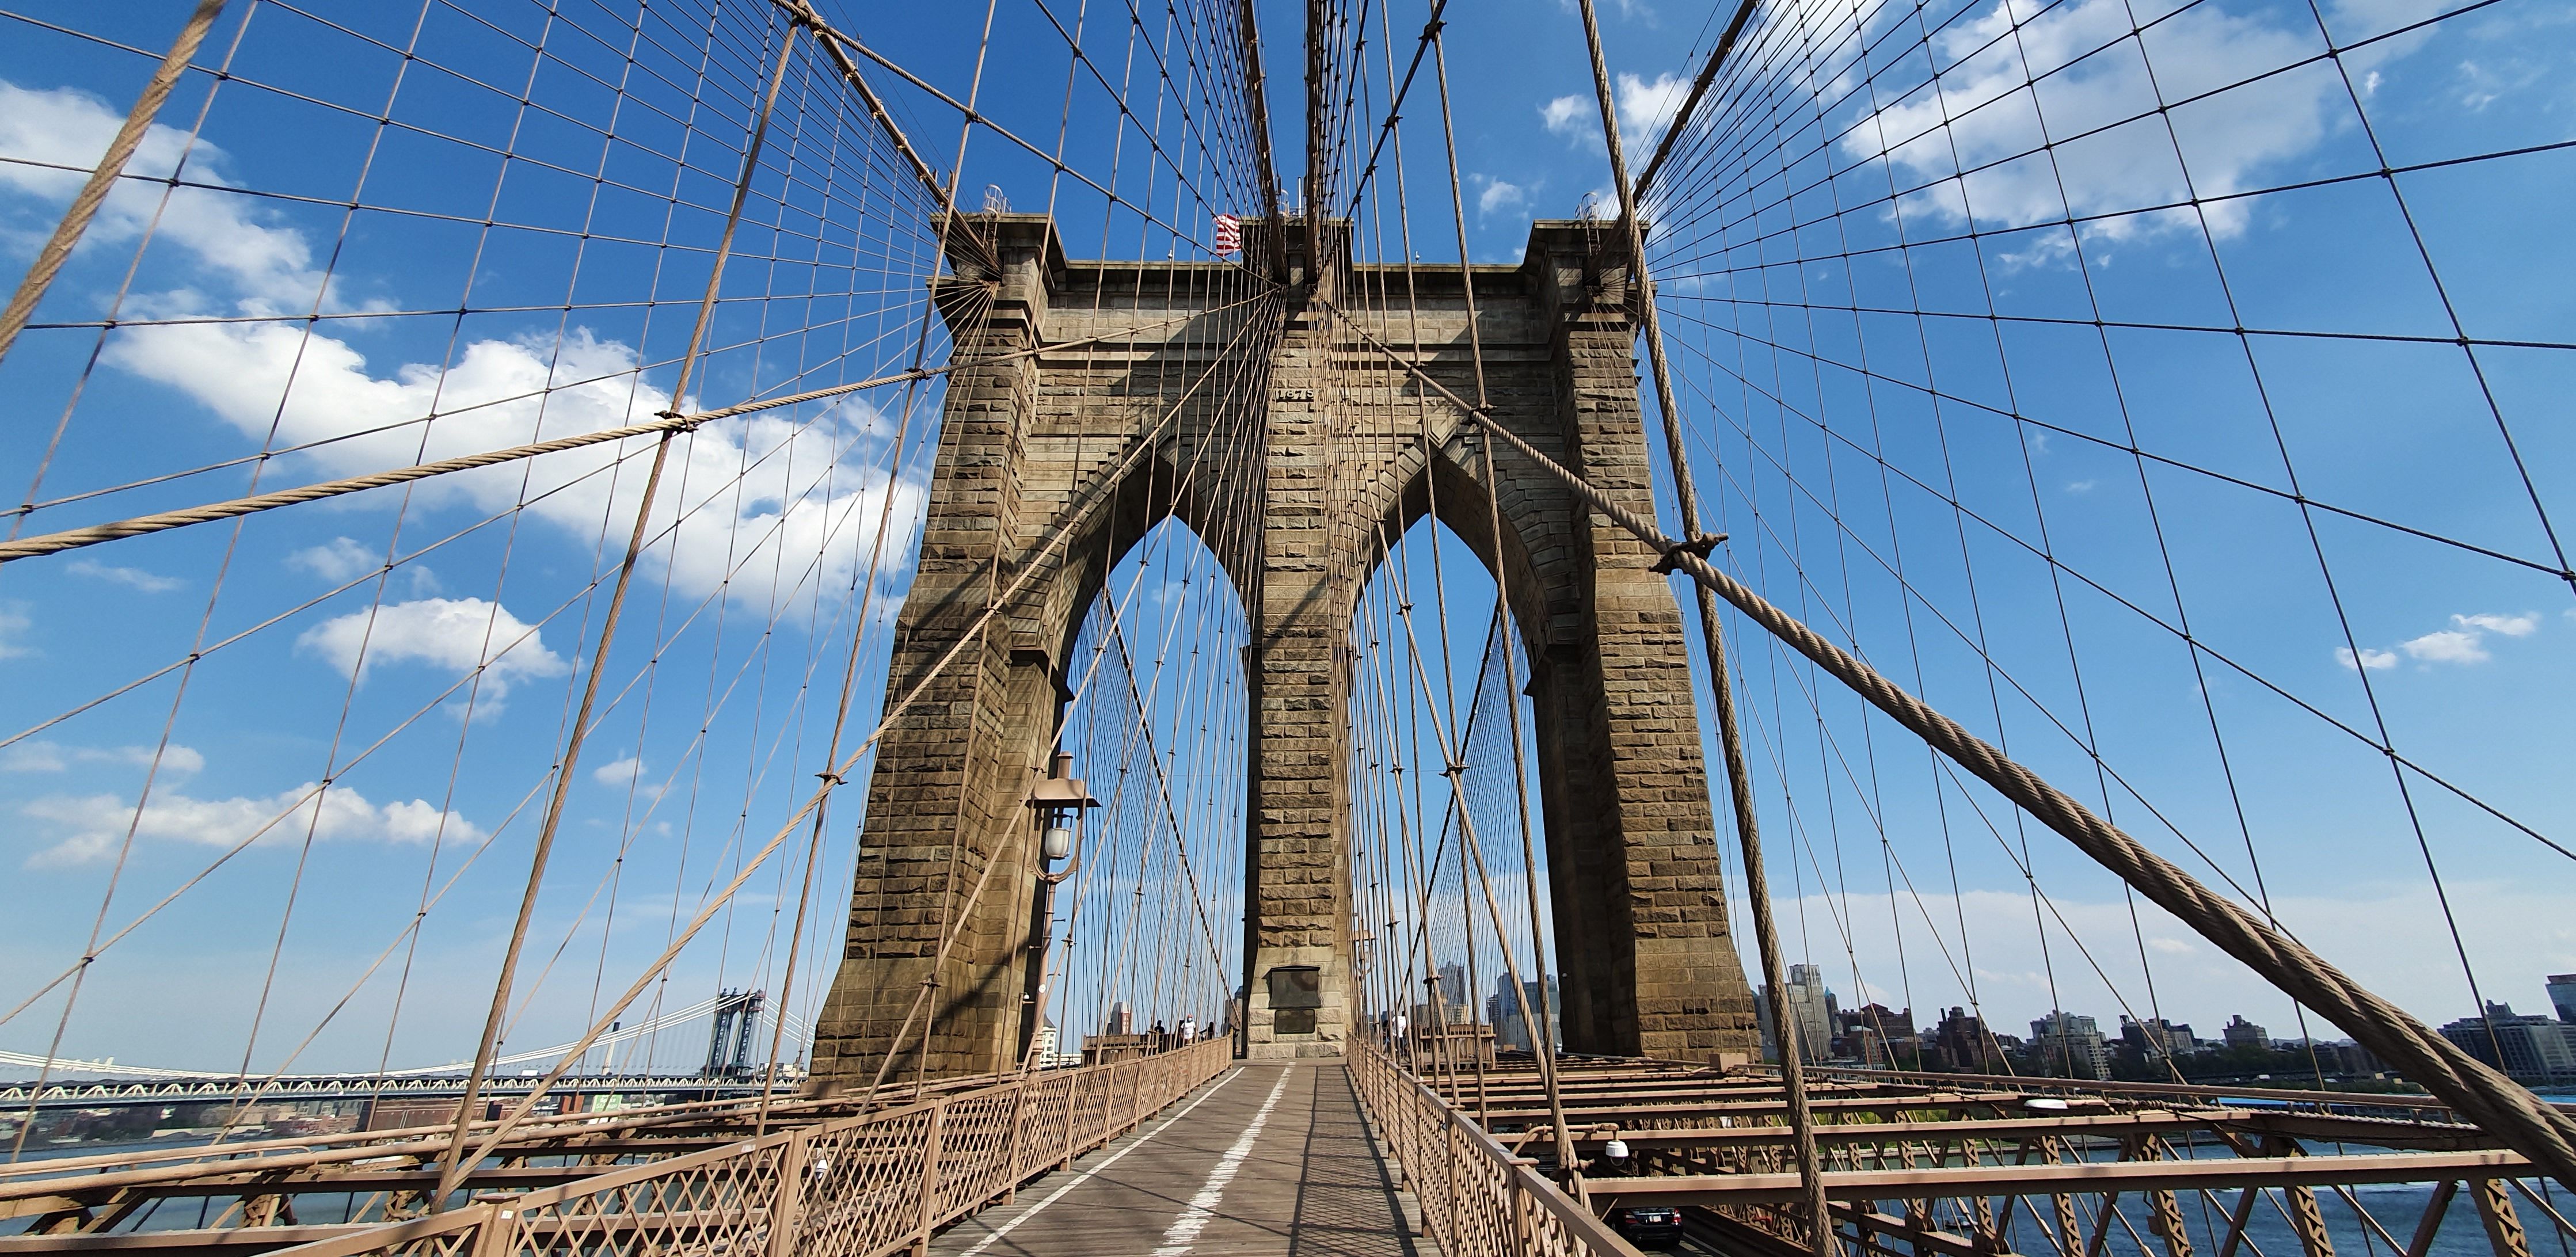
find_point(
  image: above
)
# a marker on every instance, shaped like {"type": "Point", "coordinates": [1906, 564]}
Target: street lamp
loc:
{"type": "Point", "coordinates": [1058, 801]}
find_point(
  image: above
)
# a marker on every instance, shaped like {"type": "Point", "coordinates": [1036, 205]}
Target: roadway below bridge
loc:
{"type": "Point", "coordinates": [1268, 1160]}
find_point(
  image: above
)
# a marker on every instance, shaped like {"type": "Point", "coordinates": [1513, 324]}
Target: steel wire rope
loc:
{"type": "Point", "coordinates": [753, 779]}
{"type": "Point", "coordinates": [2126, 603]}
{"type": "Point", "coordinates": [462, 683]}
{"type": "Point", "coordinates": [1419, 882]}
{"type": "Point", "coordinates": [428, 875]}
{"type": "Point", "coordinates": [709, 302]}
{"type": "Point", "coordinates": [2090, 739]}
{"type": "Point", "coordinates": [972, 117]}
{"type": "Point", "coordinates": [814, 844]}
{"type": "Point", "coordinates": [1203, 678]}
{"type": "Point", "coordinates": [223, 569]}
{"type": "Point", "coordinates": [93, 193]}
{"type": "Point", "coordinates": [1423, 870]}
{"type": "Point", "coordinates": [1065, 529]}
{"type": "Point", "coordinates": [1099, 296]}
{"type": "Point", "coordinates": [451, 1169]}
{"type": "Point", "coordinates": [1082, 60]}
{"type": "Point", "coordinates": [2088, 282]}
{"type": "Point", "coordinates": [2472, 1088]}
{"type": "Point", "coordinates": [50, 543]}
{"type": "Point", "coordinates": [1850, 611]}
{"type": "Point", "coordinates": [1143, 707]}
{"type": "Point", "coordinates": [1842, 918]}
{"type": "Point", "coordinates": [312, 826]}
{"type": "Point", "coordinates": [34, 283]}
{"type": "Point", "coordinates": [2450, 312]}
{"type": "Point", "coordinates": [504, 1125]}
{"type": "Point", "coordinates": [1142, 701]}
{"type": "Point", "coordinates": [1109, 976]}
{"type": "Point", "coordinates": [1979, 644]}
{"type": "Point", "coordinates": [1994, 41]}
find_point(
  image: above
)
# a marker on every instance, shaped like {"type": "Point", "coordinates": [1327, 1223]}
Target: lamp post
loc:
{"type": "Point", "coordinates": [1056, 803]}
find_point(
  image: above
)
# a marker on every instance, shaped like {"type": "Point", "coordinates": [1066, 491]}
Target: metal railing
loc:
{"type": "Point", "coordinates": [1478, 1198]}
{"type": "Point", "coordinates": [861, 1186]}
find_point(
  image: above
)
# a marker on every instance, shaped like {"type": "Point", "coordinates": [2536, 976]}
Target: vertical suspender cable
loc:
{"type": "Point", "coordinates": [452, 1166]}
{"type": "Point", "coordinates": [1802, 1122]}
{"type": "Point", "coordinates": [1502, 588]}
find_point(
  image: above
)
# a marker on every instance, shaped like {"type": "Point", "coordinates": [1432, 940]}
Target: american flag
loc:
{"type": "Point", "coordinates": [1229, 234]}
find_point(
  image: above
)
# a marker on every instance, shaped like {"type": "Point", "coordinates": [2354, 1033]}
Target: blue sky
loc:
{"type": "Point", "coordinates": [2464, 654]}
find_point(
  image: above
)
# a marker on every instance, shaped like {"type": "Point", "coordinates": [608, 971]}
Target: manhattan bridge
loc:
{"type": "Point", "coordinates": [813, 627]}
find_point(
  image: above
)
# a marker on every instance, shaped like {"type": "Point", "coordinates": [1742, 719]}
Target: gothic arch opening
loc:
{"type": "Point", "coordinates": [1155, 727]}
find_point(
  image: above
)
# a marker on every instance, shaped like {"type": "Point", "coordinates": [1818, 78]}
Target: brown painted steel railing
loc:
{"type": "Point", "coordinates": [861, 1186]}
{"type": "Point", "coordinates": [1478, 1198]}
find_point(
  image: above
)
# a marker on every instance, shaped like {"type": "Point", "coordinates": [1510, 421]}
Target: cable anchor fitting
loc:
{"type": "Point", "coordinates": [1697, 547]}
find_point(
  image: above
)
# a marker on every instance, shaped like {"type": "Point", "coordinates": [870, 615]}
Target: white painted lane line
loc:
{"type": "Point", "coordinates": [1185, 1229]}
{"type": "Point", "coordinates": [1085, 1177]}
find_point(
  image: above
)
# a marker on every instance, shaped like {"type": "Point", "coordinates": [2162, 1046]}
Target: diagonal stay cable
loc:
{"type": "Point", "coordinates": [2488, 1098]}
{"type": "Point", "coordinates": [664, 426]}
{"type": "Point", "coordinates": [1072, 526]}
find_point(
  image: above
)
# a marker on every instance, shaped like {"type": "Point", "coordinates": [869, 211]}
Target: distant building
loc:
{"type": "Point", "coordinates": [1453, 987]}
{"type": "Point", "coordinates": [2349, 1059]}
{"type": "Point", "coordinates": [1511, 1023]}
{"type": "Point", "coordinates": [1872, 1031]}
{"type": "Point", "coordinates": [2562, 995]}
{"type": "Point", "coordinates": [1966, 1045]}
{"type": "Point", "coordinates": [1810, 1011]}
{"type": "Point", "coordinates": [2072, 1042]}
{"type": "Point", "coordinates": [2157, 1037]}
{"type": "Point", "coordinates": [1045, 1045]}
{"type": "Point", "coordinates": [2534, 1048]}
{"type": "Point", "coordinates": [2239, 1034]}
{"type": "Point", "coordinates": [1122, 1019]}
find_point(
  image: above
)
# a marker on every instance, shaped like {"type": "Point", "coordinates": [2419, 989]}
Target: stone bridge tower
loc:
{"type": "Point", "coordinates": [1347, 454]}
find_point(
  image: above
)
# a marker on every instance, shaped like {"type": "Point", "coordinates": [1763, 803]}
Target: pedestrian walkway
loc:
{"type": "Point", "coordinates": [1272, 1159]}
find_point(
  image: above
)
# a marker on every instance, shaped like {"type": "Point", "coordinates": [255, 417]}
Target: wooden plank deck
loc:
{"type": "Point", "coordinates": [1272, 1159]}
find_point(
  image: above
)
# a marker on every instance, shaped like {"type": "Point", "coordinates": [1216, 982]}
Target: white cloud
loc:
{"type": "Point", "coordinates": [629, 773]}
{"type": "Point", "coordinates": [1627, 9]}
{"type": "Point", "coordinates": [1646, 108]}
{"type": "Point", "coordinates": [130, 577]}
{"type": "Point", "coordinates": [2080, 486]}
{"type": "Point", "coordinates": [54, 757]}
{"type": "Point", "coordinates": [1500, 195]}
{"type": "Point", "coordinates": [455, 634]}
{"type": "Point", "coordinates": [13, 621]}
{"type": "Point", "coordinates": [1985, 112]}
{"type": "Point", "coordinates": [806, 487]}
{"type": "Point", "coordinates": [802, 484]}
{"type": "Point", "coordinates": [338, 560]}
{"type": "Point", "coordinates": [2523, 625]}
{"type": "Point", "coordinates": [93, 826]}
{"type": "Point", "coordinates": [2446, 646]}
{"type": "Point", "coordinates": [231, 235]}
{"type": "Point", "coordinates": [1564, 115]}
{"type": "Point", "coordinates": [2465, 643]}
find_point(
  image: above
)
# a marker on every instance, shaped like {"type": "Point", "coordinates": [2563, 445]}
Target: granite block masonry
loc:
{"type": "Point", "coordinates": [1295, 452]}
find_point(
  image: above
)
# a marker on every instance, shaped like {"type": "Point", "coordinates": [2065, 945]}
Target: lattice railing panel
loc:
{"type": "Point", "coordinates": [1477, 1198]}
{"type": "Point", "coordinates": [861, 1186]}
